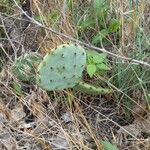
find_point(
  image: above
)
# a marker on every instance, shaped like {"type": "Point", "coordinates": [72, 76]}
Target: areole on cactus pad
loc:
{"type": "Point", "coordinates": [62, 67]}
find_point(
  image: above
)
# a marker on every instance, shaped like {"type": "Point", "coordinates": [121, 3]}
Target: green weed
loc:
{"type": "Point", "coordinates": [96, 63]}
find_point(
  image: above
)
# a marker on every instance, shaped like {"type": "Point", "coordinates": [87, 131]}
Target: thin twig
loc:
{"type": "Point", "coordinates": [9, 39]}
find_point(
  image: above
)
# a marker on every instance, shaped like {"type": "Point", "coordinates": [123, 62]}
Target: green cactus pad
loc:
{"type": "Point", "coordinates": [91, 89]}
{"type": "Point", "coordinates": [25, 66]}
{"type": "Point", "coordinates": [62, 68]}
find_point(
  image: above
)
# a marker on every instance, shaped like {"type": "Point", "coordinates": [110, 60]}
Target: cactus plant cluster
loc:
{"type": "Point", "coordinates": [60, 69]}
{"type": "Point", "coordinates": [25, 66]}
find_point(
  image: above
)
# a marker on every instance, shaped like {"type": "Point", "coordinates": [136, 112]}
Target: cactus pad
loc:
{"type": "Point", "coordinates": [62, 68]}
{"type": "Point", "coordinates": [25, 66]}
{"type": "Point", "coordinates": [91, 89]}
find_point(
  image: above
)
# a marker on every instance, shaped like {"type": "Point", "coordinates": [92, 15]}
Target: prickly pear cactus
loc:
{"type": "Point", "coordinates": [62, 68]}
{"type": "Point", "coordinates": [91, 89]}
{"type": "Point", "coordinates": [25, 66]}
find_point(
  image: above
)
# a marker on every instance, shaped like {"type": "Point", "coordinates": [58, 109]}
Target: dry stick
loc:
{"type": "Point", "coordinates": [9, 39]}
{"type": "Point", "coordinates": [131, 60]}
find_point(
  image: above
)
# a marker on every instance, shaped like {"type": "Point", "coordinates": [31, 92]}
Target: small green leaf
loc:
{"type": "Point", "coordinates": [114, 26]}
{"type": "Point", "coordinates": [103, 33]}
{"type": "Point", "coordinates": [70, 4]}
{"type": "Point", "coordinates": [17, 88]}
{"type": "Point", "coordinates": [103, 66]}
{"type": "Point", "coordinates": [99, 58]}
{"type": "Point", "coordinates": [100, 36]}
{"type": "Point", "coordinates": [39, 18]}
{"type": "Point", "coordinates": [91, 69]}
{"type": "Point", "coordinates": [108, 146]}
{"type": "Point", "coordinates": [83, 24]}
{"type": "Point", "coordinates": [89, 59]}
